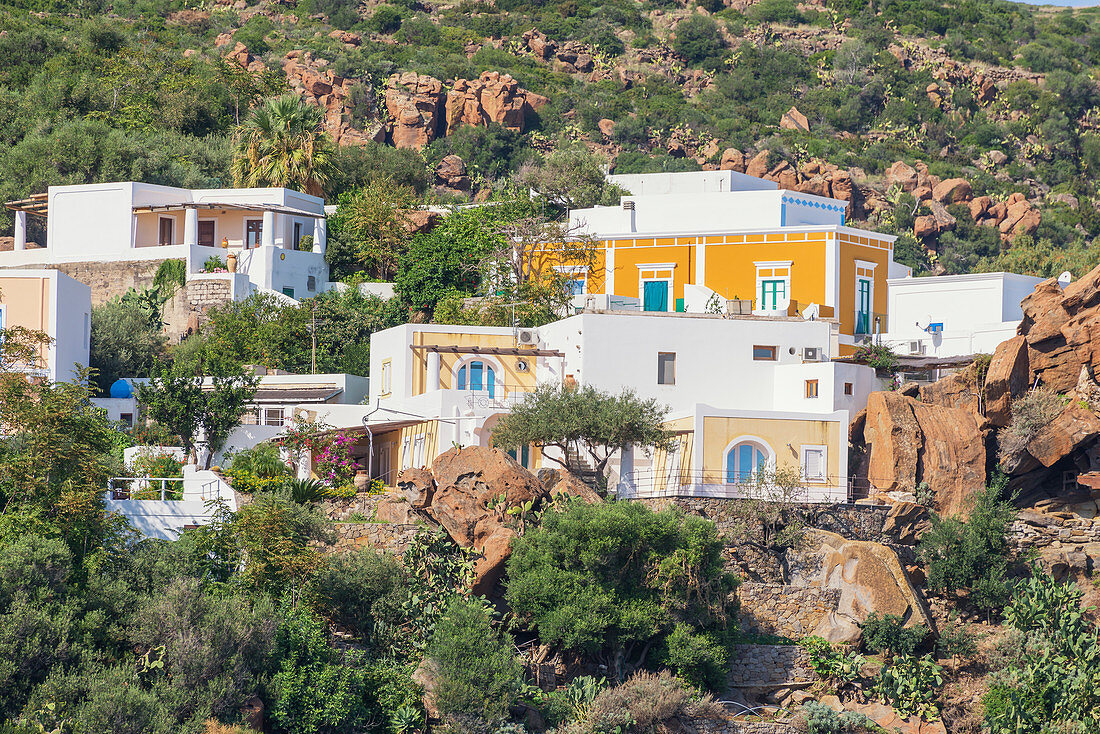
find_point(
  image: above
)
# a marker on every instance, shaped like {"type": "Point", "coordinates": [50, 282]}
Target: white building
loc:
{"type": "Point", "coordinates": [128, 222]}
{"type": "Point", "coordinates": [740, 389]}
{"type": "Point", "coordinates": [50, 302]}
{"type": "Point", "coordinates": [955, 315]}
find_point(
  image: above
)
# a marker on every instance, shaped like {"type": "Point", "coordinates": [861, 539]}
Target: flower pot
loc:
{"type": "Point", "coordinates": [231, 262]}
{"type": "Point", "coordinates": [362, 481]}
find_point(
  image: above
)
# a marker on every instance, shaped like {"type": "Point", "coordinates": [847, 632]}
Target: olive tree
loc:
{"type": "Point", "coordinates": [582, 423]}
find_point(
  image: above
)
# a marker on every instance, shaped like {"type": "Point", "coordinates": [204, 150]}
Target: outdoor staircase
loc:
{"type": "Point", "coordinates": [585, 471]}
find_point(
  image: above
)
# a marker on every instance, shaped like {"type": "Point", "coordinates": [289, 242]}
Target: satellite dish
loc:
{"type": "Point", "coordinates": [1065, 278]}
{"type": "Point", "coordinates": [811, 312]}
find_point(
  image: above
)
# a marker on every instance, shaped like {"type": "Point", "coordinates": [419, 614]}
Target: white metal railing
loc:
{"type": "Point", "coordinates": [649, 483]}
{"type": "Point", "coordinates": [125, 493]}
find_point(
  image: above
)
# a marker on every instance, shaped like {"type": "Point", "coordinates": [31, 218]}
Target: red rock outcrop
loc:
{"type": "Point", "coordinates": [1007, 378]}
{"type": "Point", "coordinates": [492, 97]}
{"type": "Point", "coordinates": [1062, 330]}
{"type": "Point", "coordinates": [414, 103]}
{"type": "Point", "coordinates": [912, 442]}
{"type": "Point", "coordinates": [315, 83]}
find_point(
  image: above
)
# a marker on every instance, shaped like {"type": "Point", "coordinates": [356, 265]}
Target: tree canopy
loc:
{"type": "Point", "coordinates": [576, 419]}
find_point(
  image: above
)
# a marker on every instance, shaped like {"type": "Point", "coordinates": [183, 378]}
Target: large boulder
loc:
{"type": "Point", "coordinates": [868, 575]}
{"type": "Point", "coordinates": [1006, 379]}
{"type": "Point", "coordinates": [475, 486]}
{"type": "Point", "coordinates": [417, 485]}
{"type": "Point", "coordinates": [913, 442]}
{"type": "Point", "coordinates": [562, 481]}
{"type": "Point", "coordinates": [1062, 329]}
{"type": "Point", "coordinates": [492, 97]}
{"type": "Point", "coordinates": [415, 104]}
{"type": "Point", "coordinates": [907, 521]}
{"type": "Point", "coordinates": [1076, 427]}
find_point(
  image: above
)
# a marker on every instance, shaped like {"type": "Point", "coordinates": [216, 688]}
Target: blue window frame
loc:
{"type": "Point", "coordinates": [523, 456]}
{"type": "Point", "coordinates": [477, 376]}
{"type": "Point", "coordinates": [743, 461]}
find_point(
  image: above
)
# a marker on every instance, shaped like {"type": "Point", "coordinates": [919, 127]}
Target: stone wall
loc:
{"type": "Point", "coordinates": [185, 312]}
{"type": "Point", "coordinates": [733, 726]}
{"type": "Point", "coordinates": [856, 522]}
{"type": "Point", "coordinates": [1066, 543]}
{"type": "Point", "coordinates": [353, 534]}
{"type": "Point", "coordinates": [787, 611]}
{"type": "Point", "coordinates": [756, 666]}
{"type": "Point", "coordinates": [381, 536]}
{"type": "Point", "coordinates": [108, 280]}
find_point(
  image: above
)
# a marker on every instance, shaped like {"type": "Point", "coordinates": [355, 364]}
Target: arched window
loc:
{"type": "Point", "coordinates": [477, 376]}
{"type": "Point", "coordinates": [744, 460]}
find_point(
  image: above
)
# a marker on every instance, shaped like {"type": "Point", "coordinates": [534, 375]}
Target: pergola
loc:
{"type": "Point", "coordinates": [36, 204]}
{"type": "Point", "coordinates": [191, 211]}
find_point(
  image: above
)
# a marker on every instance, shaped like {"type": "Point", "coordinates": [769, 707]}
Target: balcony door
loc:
{"type": "Point", "coordinates": [863, 306]}
{"type": "Point", "coordinates": [253, 233]}
{"type": "Point", "coordinates": [166, 233]}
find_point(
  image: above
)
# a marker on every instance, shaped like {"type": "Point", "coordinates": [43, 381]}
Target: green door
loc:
{"type": "Point", "coordinates": [863, 309]}
{"type": "Point", "coordinates": [655, 295]}
{"type": "Point", "coordinates": [772, 293]}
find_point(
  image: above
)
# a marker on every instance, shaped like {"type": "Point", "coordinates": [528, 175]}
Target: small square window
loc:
{"type": "Point", "coordinates": [847, 388]}
{"type": "Point", "coordinates": [763, 353]}
{"type": "Point", "coordinates": [273, 417]}
{"type": "Point", "coordinates": [666, 368]}
{"type": "Point", "coordinates": [127, 418]}
{"type": "Point", "coordinates": [811, 388]}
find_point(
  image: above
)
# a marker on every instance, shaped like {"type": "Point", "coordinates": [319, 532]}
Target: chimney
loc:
{"type": "Point", "coordinates": [628, 206]}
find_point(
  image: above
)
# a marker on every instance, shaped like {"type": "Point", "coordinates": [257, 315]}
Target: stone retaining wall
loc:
{"type": "Point", "coordinates": [108, 280]}
{"type": "Point", "coordinates": [1065, 542]}
{"type": "Point", "coordinates": [381, 536]}
{"type": "Point", "coordinates": [731, 726]}
{"type": "Point", "coordinates": [769, 665]}
{"type": "Point", "coordinates": [856, 522]}
{"type": "Point", "coordinates": [787, 611]}
{"type": "Point", "coordinates": [341, 509]}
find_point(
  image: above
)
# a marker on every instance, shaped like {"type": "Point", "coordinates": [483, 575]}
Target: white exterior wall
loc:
{"type": "Point", "coordinates": [978, 311]}
{"type": "Point", "coordinates": [96, 223]}
{"type": "Point", "coordinates": [72, 309]}
{"type": "Point", "coordinates": [714, 361]}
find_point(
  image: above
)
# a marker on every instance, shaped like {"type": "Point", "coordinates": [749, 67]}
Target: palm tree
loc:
{"type": "Point", "coordinates": [283, 144]}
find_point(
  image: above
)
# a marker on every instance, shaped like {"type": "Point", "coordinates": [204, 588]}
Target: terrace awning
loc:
{"type": "Point", "coordinates": [512, 351]}
{"type": "Point", "coordinates": [36, 204]}
{"type": "Point", "coordinates": [210, 205]}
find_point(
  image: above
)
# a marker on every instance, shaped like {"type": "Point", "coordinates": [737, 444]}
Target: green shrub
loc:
{"type": "Point", "coordinates": [911, 685]}
{"type": "Point", "coordinates": [820, 719]}
{"type": "Point", "coordinates": [774, 11]}
{"type": "Point", "coordinates": [699, 41]}
{"type": "Point", "coordinates": [478, 676]}
{"type": "Point", "coordinates": [304, 491]}
{"type": "Point", "coordinates": [973, 554]}
{"type": "Point", "coordinates": [644, 703]}
{"type": "Point", "coordinates": [699, 658]}
{"type": "Point", "coordinates": [387, 19]}
{"type": "Point", "coordinates": [829, 663]}
{"type": "Point", "coordinates": [358, 589]}
{"type": "Point", "coordinates": [313, 690]}
{"type": "Point", "coordinates": [607, 576]}
{"type": "Point", "coordinates": [888, 634]}
{"type": "Point", "coordinates": [264, 460]}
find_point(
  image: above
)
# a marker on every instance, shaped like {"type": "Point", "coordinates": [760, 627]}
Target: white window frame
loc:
{"type": "Point", "coordinates": [871, 305]}
{"type": "Point", "coordinates": [769, 465]}
{"type": "Point", "coordinates": [406, 453]}
{"type": "Point", "coordinates": [670, 281]}
{"type": "Point", "coordinates": [805, 449]}
{"type": "Point", "coordinates": [780, 307]}
{"type": "Point", "coordinates": [673, 355]}
{"type": "Point", "coordinates": [575, 272]}
{"type": "Point", "coordinates": [175, 225]}
{"type": "Point", "coordinates": [244, 232]}
{"type": "Point", "coordinates": [387, 378]}
{"type": "Point", "coordinates": [498, 375]}
{"type": "Point", "coordinates": [282, 416]}
{"type": "Point", "coordinates": [209, 219]}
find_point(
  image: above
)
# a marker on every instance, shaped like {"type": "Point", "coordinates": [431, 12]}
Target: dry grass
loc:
{"type": "Point", "coordinates": [1030, 413]}
{"type": "Point", "coordinates": [646, 702]}
{"type": "Point", "coordinates": [216, 727]}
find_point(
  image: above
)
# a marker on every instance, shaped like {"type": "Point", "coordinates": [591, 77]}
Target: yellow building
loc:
{"type": "Point", "coordinates": [693, 241]}
{"type": "Point", "coordinates": [52, 303]}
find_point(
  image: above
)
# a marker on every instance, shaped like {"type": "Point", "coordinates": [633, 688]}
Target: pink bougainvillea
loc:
{"type": "Point", "coordinates": [333, 460]}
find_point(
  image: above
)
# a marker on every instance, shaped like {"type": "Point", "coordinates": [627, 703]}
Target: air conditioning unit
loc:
{"type": "Point", "coordinates": [916, 348]}
{"type": "Point", "coordinates": [527, 337]}
{"type": "Point", "coordinates": [811, 354]}
{"type": "Point", "coordinates": [521, 365]}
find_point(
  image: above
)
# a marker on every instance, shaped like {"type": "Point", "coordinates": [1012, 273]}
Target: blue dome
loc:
{"type": "Point", "coordinates": [121, 389]}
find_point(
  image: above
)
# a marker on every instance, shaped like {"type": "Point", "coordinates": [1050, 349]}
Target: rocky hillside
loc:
{"type": "Point", "coordinates": [968, 129]}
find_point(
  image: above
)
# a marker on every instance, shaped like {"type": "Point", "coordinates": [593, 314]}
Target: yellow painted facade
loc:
{"type": "Point", "coordinates": [822, 266]}
{"type": "Point", "coordinates": [513, 379]}
{"type": "Point", "coordinates": [784, 436]}
{"type": "Point", "coordinates": [26, 303]}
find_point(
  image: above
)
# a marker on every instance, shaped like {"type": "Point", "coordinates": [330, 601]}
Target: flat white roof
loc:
{"type": "Point", "coordinates": [961, 278]}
